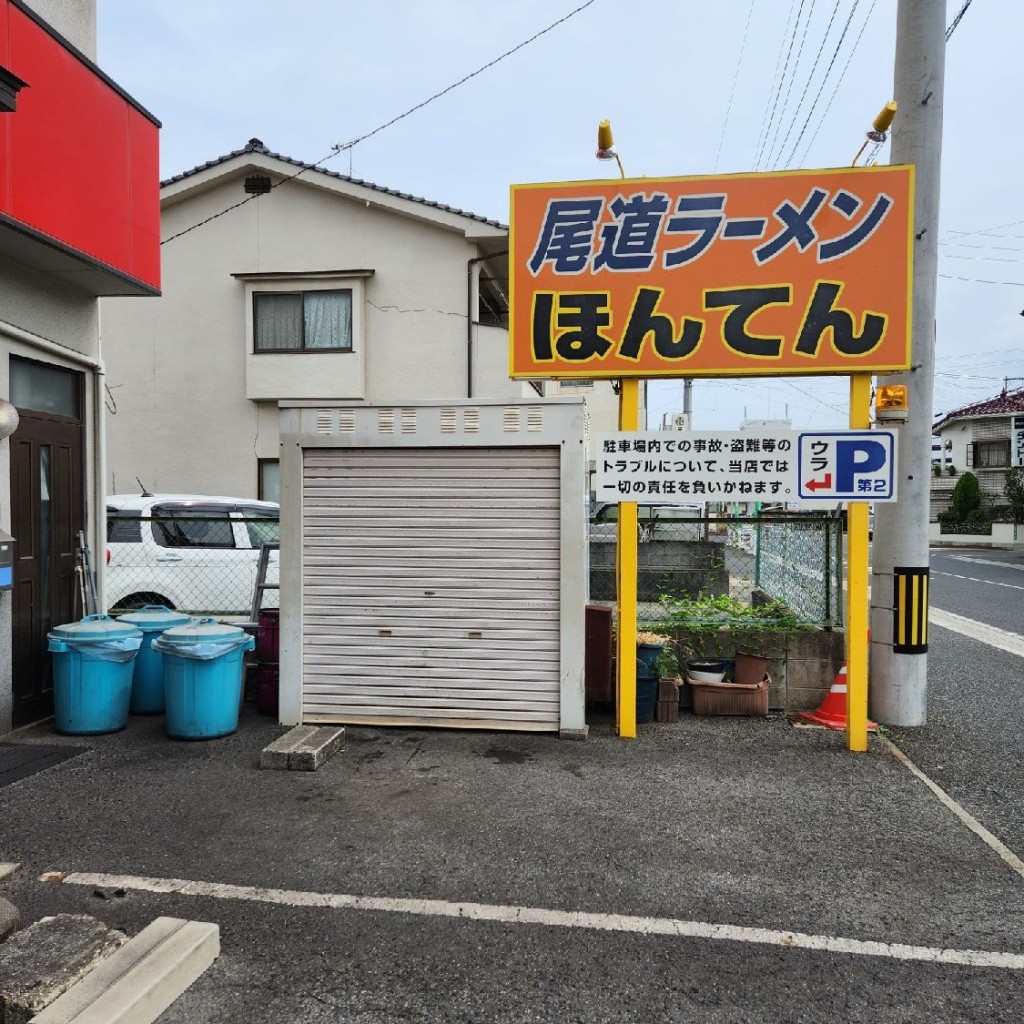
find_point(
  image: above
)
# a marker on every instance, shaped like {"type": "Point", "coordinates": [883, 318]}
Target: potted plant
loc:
{"type": "Point", "coordinates": [649, 648]}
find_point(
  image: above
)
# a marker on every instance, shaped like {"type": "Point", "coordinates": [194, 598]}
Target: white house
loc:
{"type": "Point", "coordinates": [281, 282]}
{"type": "Point", "coordinates": [985, 437]}
{"type": "Point", "coordinates": [79, 218]}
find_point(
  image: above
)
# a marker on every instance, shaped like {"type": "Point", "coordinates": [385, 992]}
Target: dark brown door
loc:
{"type": "Point", "coordinates": [47, 512]}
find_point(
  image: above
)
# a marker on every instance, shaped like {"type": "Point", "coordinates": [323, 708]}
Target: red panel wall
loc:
{"type": "Point", "coordinates": [78, 162]}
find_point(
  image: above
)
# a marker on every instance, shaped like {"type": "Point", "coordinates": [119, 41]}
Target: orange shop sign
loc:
{"type": "Point", "coordinates": [778, 273]}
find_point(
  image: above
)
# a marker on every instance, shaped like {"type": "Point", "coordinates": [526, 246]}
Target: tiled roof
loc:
{"type": "Point", "coordinates": [256, 146]}
{"type": "Point", "coordinates": [1006, 403]}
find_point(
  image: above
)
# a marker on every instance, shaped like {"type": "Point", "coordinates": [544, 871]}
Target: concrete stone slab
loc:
{"type": "Point", "coordinates": [44, 960]}
{"type": "Point", "coordinates": [143, 978]}
{"type": "Point", "coordinates": [10, 919]}
{"type": "Point", "coordinates": [304, 748]}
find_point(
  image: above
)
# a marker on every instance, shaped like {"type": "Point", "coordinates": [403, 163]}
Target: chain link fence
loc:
{"type": "Point", "coordinates": [794, 559]}
{"type": "Point", "coordinates": [197, 563]}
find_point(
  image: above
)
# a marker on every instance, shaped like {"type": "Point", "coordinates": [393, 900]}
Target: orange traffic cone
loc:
{"type": "Point", "coordinates": [832, 713]}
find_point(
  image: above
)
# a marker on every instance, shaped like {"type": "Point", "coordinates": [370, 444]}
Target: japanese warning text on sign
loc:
{"type": "Point", "coordinates": [777, 273]}
{"type": "Point", "coordinates": [664, 467]}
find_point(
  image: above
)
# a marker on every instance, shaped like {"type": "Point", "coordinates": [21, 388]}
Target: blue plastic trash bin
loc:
{"type": "Point", "coordinates": [148, 675]}
{"type": "Point", "coordinates": [203, 668]}
{"type": "Point", "coordinates": [92, 674]}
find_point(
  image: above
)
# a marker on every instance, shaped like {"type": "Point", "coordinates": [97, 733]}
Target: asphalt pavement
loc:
{"type": "Point", "coordinates": [721, 870]}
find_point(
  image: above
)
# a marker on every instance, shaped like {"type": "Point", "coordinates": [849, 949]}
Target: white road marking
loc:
{"type": "Point", "coordinates": [556, 918]}
{"type": "Point", "coordinates": [1004, 852]}
{"type": "Point", "coordinates": [1012, 643]}
{"type": "Point", "coordinates": [988, 561]}
{"type": "Point", "coordinates": [974, 579]}
{"type": "Point", "coordinates": [7, 868]}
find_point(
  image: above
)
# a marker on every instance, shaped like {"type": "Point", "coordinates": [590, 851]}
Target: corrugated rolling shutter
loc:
{"type": "Point", "coordinates": [431, 587]}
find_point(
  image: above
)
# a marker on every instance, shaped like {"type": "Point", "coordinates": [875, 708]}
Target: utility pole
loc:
{"type": "Point", "coordinates": [898, 669]}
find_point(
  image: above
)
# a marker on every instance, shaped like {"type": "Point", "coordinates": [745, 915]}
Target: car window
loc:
{"type": "Point", "coordinates": [262, 527]}
{"type": "Point", "coordinates": [187, 528]}
{"type": "Point", "coordinates": [123, 527]}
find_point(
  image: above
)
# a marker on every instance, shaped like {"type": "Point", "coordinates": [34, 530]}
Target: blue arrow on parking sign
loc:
{"type": "Point", "coordinates": [848, 465]}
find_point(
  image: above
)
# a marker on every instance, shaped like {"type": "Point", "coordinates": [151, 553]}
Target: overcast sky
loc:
{"type": "Point", "coordinates": [307, 74]}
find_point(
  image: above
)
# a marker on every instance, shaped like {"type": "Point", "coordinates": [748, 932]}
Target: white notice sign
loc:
{"type": "Point", "coordinates": [661, 467]}
{"type": "Point", "coordinates": [793, 466]}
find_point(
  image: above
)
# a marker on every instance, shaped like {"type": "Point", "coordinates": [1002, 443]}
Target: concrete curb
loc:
{"type": "Point", "coordinates": [143, 978]}
{"type": "Point", "coordinates": [8, 868]}
{"type": "Point", "coordinates": [10, 918]}
{"type": "Point", "coordinates": [303, 749]}
{"type": "Point", "coordinates": [42, 962]}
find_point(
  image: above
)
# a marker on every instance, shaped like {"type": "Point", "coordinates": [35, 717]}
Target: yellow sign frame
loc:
{"type": "Point", "coordinates": [830, 270]}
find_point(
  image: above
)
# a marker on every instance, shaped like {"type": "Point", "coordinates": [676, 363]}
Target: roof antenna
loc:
{"type": "Point", "coordinates": [145, 493]}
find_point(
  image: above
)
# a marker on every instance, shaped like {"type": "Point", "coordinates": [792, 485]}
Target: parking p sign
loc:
{"type": "Point", "coordinates": [847, 465]}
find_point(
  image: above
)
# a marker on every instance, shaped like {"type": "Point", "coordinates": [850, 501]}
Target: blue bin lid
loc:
{"type": "Point", "coordinates": [95, 627]}
{"type": "Point", "coordinates": [206, 630]}
{"type": "Point", "coordinates": [155, 617]}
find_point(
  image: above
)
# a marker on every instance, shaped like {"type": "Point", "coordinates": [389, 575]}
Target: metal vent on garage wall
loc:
{"type": "Point", "coordinates": [386, 421]}
{"type": "Point", "coordinates": [408, 421]}
{"type": "Point", "coordinates": [449, 421]}
{"type": "Point", "coordinates": [324, 421]}
{"type": "Point", "coordinates": [535, 418]}
{"type": "Point", "coordinates": [471, 420]}
{"type": "Point", "coordinates": [346, 421]}
{"type": "Point", "coordinates": [511, 420]}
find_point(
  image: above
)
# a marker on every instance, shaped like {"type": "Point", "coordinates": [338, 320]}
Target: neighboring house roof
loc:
{"type": "Point", "coordinates": [256, 146]}
{"type": "Point", "coordinates": [1003, 404]}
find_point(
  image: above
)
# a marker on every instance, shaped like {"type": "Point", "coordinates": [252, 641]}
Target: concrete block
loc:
{"type": "Point", "coordinates": [574, 734]}
{"type": "Point", "coordinates": [314, 750]}
{"type": "Point", "coordinates": [143, 978]}
{"type": "Point", "coordinates": [303, 748]}
{"type": "Point", "coordinates": [810, 675]}
{"type": "Point", "coordinates": [44, 960]}
{"type": "Point", "coordinates": [10, 919]}
{"type": "Point", "coordinates": [805, 698]}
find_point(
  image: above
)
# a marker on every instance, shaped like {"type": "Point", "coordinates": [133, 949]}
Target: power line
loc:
{"type": "Point", "coordinates": [996, 248]}
{"type": "Point", "coordinates": [981, 280]}
{"type": "Point", "coordinates": [956, 20]}
{"type": "Point", "coordinates": [792, 78]}
{"type": "Point", "coordinates": [735, 78]}
{"type": "Point", "coordinates": [989, 231]}
{"type": "Point", "coordinates": [775, 88]}
{"type": "Point", "coordinates": [342, 147]}
{"type": "Point", "coordinates": [807, 84]}
{"type": "Point", "coordinates": [842, 75]}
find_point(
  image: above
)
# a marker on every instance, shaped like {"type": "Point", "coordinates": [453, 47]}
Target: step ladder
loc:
{"type": "Point", "coordinates": [261, 579]}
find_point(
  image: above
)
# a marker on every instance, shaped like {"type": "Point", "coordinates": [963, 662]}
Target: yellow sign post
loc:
{"type": "Point", "coordinates": [781, 273]}
{"type": "Point", "coordinates": [857, 586]}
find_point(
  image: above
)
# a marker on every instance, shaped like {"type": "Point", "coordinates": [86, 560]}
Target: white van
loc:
{"type": "Point", "coordinates": [193, 552]}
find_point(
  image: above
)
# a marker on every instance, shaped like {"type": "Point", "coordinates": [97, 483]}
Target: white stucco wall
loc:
{"type": "Point", "coordinates": [961, 434]}
{"type": "Point", "coordinates": [177, 365]}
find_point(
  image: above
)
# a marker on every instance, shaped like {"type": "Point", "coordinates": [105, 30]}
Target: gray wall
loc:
{"type": "Point", "coordinates": [75, 20]}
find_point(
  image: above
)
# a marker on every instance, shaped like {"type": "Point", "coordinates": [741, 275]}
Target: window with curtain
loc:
{"type": "Point", "coordinates": [316, 321]}
{"type": "Point", "coordinates": [991, 454]}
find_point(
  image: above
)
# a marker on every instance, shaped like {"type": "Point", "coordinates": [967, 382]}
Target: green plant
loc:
{"type": "Point", "coordinates": [708, 613]}
{"type": "Point", "coordinates": [936, 471]}
{"type": "Point", "coordinates": [1014, 487]}
{"type": "Point", "coordinates": [951, 470]}
{"type": "Point", "coordinates": [966, 496]}
{"type": "Point", "coordinates": [667, 662]}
